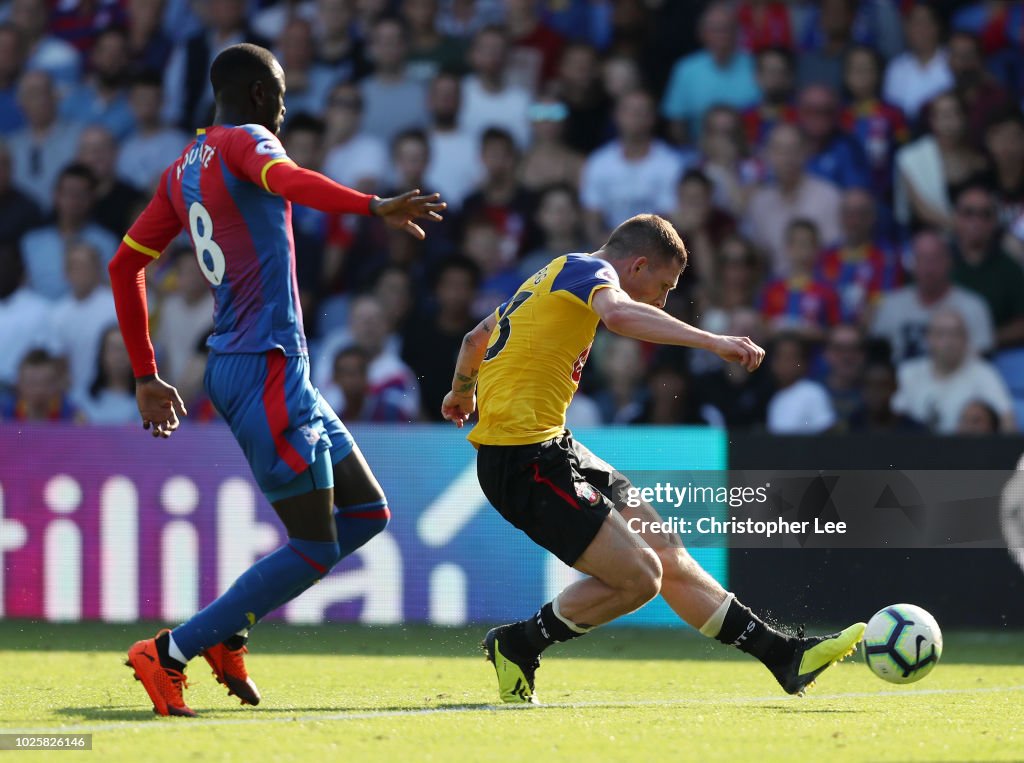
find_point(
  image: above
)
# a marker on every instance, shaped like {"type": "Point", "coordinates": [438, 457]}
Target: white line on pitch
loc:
{"type": "Point", "coordinates": [368, 714]}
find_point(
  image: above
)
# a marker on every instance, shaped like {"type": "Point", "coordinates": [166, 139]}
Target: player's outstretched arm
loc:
{"type": "Point", "coordinates": [460, 403]}
{"type": "Point", "coordinates": [649, 324]}
{"type": "Point", "coordinates": [311, 189]}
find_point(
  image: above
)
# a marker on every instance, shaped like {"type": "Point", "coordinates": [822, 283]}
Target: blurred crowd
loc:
{"type": "Point", "coordinates": [848, 178]}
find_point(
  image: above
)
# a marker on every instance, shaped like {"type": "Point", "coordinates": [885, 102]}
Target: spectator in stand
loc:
{"type": "Point", "coordinates": [184, 316]}
{"type": "Point", "coordinates": [271, 21]}
{"type": "Point", "coordinates": [834, 155]}
{"type": "Point", "coordinates": [702, 226]}
{"type": "Point", "coordinates": [39, 395]}
{"type": "Point", "coordinates": [915, 77]}
{"type": "Point", "coordinates": [393, 100]}
{"type": "Point", "coordinates": [43, 249]}
{"type": "Point", "coordinates": [393, 290]}
{"type": "Point", "coordinates": [12, 63]}
{"type": "Point", "coordinates": [188, 97]}
{"type": "Point", "coordinates": [24, 318]}
{"type": "Point", "coordinates": [935, 388]}
{"type": "Point", "coordinates": [488, 98]}
{"type": "Point", "coordinates": [483, 243]}
{"type": "Point", "coordinates": [559, 224]}
{"type": "Point", "coordinates": [501, 198]}
{"type": "Point", "coordinates": [1004, 139]}
{"type": "Point", "coordinates": [739, 395]}
{"type": "Point", "coordinates": [621, 366]}
{"type": "Point", "coordinates": [82, 24]}
{"type": "Point", "coordinates": [831, 37]}
{"type": "Point", "coordinates": [903, 316]}
{"type": "Point", "coordinates": [580, 87]}
{"type": "Point", "coordinates": [149, 46]}
{"type": "Point", "coordinates": [620, 74]}
{"type": "Point", "coordinates": [982, 95]}
{"type": "Point", "coordinates": [726, 160]}
{"type": "Point", "coordinates": [454, 167]}
{"type": "Point", "coordinates": [111, 398]}
{"type": "Point", "coordinates": [354, 398]}
{"type": "Point", "coordinates": [432, 342]}
{"type": "Point", "coordinates": [337, 46]}
{"type": "Point", "coordinates": [464, 18]}
{"type": "Point", "coordinates": [719, 73]}
{"type": "Point", "coordinates": [45, 145]}
{"type": "Point", "coordinates": [879, 127]}
{"type": "Point", "coordinates": [355, 157]}
{"type": "Point", "coordinates": [45, 52]}
{"type": "Point", "coordinates": [145, 154]}
{"type": "Point", "coordinates": [430, 51]}
{"type": "Point", "coordinates": [978, 418]}
{"type": "Point", "coordinates": [800, 303]}
{"type": "Point", "coordinates": [799, 405]}
{"type": "Point", "coordinates": [633, 174]}
{"type": "Point", "coordinates": [859, 269]}
{"type": "Point", "coordinates": [536, 47]}
{"type": "Point", "coordinates": [876, 415]}
{"type": "Point", "coordinates": [18, 213]}
{"type": "Point", "coordinates": [391, 382]}
{"type": "Point", "coordinates": [671, 399]}
{"type": "Point", "coordinates": [794, 194]}
{"type": "Point", "coordinates": [765, 24]}
{"type": "Point", "coordinates": [116, 201]}
{"type": "Point", "coordinates": [733, 290]}
{"type": "Point", "coordinates": [845, 357]}
{"type": "Point", "coordinates": [309, 81]}
{"type": "Point", "coordinates": [981, 265]}
{"type": "Point", "coordinates": [102, 99]}
{"type": "Point", "coordinates": [549, 160]}
{"type": "Point", "coordinates": [930, 170]}
{"type": "Point", "coordinates": [776, 79]}
{"type": "Point", "coordinates": [80, 318]}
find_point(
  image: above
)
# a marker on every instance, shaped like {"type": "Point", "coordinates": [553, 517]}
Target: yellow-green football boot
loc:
{"type": "Point", "coordinates": [515, 672]}
{"type": "Point", "coordinates": [813, 655]}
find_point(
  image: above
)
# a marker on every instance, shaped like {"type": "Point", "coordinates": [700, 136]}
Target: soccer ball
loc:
{"type": "Point", "coordinates": [902, 643]}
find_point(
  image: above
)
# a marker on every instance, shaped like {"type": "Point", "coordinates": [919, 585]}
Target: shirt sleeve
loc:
{"type": "Point", "coordinates": [158, 224]}
{"type": "Point", "coordinates": [582, 276]}
{"type": "Point", "coordinates": [251, 151]}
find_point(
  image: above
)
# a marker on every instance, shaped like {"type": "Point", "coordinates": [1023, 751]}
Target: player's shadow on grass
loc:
{"type": "Point", "coordinates": [801, 710]}
{"type": "Point", "coordinates": [106, 713]}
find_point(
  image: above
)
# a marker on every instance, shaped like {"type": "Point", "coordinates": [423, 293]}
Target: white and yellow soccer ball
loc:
{"type": "Point", "coordinates": [902, 643]}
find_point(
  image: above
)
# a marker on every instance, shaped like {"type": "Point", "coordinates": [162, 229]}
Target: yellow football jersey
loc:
{"type": "Point", "coordinates": [536, 354]}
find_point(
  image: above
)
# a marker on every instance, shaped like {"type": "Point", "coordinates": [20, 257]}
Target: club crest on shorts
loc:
{"type": "Point", "coordinates": [312, 437]}
{"type": "Point", "coordinates": [587, 493]}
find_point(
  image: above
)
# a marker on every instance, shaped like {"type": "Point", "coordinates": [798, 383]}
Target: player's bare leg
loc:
{"type": "Point", "coordinates": [624, 575]}
{"type": "Point", "coordinates": [700, 600]}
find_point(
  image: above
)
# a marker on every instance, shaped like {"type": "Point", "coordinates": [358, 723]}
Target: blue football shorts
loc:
{"type": "Point", "coordinates": [279, 419]}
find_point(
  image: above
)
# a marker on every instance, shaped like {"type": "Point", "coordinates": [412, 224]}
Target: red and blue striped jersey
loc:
{"type": "Point", "coordinates": [242, 233]}
{"type": "Point", "coordinates": [859, 276]}
{"type": "Point", "coordinates": [798, 301]}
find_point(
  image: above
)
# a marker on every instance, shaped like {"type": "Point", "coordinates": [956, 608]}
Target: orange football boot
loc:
{"type": "Point", "coordinates": [163, 685]}
{"type": "Point", "coordinates": [229, 669]}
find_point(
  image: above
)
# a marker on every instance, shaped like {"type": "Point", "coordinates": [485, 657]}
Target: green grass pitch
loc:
{"type": "Point", "coordinates": [425, 694]}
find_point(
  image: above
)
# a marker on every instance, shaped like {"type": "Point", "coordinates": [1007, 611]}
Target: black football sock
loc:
{"type": "Point", "coordinates": [236, 642]}
{"type": "Point", "coordinates": [747, 632]}
{"type": "Point", "coordinates": [547, 627]}
{"type": "Point", "coordinates": [162, 643]}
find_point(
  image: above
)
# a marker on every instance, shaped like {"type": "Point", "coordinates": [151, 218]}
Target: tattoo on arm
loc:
{"type": "Point", "coordinates": [465, 383]}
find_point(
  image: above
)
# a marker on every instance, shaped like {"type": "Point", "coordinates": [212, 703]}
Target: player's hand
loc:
{"type": "Point", "coordinates": [159, 405]}
{"type": "Point", "coordinates": [739, 349]}
{"type": "Point", "coordinates": [458, 408]}
{"type": "Point", "coordinates": [401, 212]}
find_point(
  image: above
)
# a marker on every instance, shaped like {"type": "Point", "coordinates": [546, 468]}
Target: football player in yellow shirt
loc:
{"type": "Point", "coordinates": [522, 366]}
